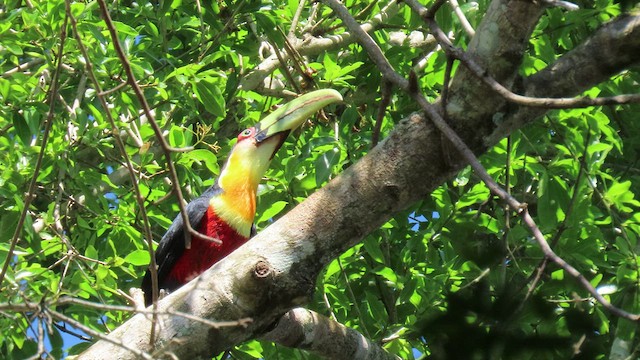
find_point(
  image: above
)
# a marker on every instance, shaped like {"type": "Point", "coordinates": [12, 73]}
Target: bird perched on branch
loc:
{"type": "Point", "coordinates": [226, 210]}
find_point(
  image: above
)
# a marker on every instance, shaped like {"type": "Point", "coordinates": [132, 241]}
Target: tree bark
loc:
{"type": "Point", "coordinates": [277, 270]}
{"type": "Point", "coordinates": [307, 330]}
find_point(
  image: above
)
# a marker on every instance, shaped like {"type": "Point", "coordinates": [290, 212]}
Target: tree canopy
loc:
{"type": "Point", "coordinates": [403, 238]}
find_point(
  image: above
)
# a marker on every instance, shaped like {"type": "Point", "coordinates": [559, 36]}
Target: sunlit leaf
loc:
{"type": "Point", "coordinates": [138, 257]}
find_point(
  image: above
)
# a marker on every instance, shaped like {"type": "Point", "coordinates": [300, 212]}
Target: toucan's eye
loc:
{"type": "Point", "coordinates": [245, 134]}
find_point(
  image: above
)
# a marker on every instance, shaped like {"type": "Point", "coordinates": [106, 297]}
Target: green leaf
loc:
{"type": "Point", "coordinates": [325, 163]}
{"type": "Point", "coordinates": [78, 348]}
{"type": "Point", "coordinates": [372, 246]}
{"type": "Point", "coordinates": [388, 274]}
{"type": "Point", "coordinates": [176, 137]}
{"type": "Point", "coordinates": [269, 25]}
{"type": "Point", "coordinates": [22, 129]}
{"type": "Point", "coordinates": [479, 193]}
{"type": "Point", "coordinates": [5, 87]}
{"type": "Point", "coordinates": [91, 252]}
{"type": "Point", "coordinates": [272, 211]}
{"type": "Point", "coordinates": [138, 257]}
{"type": "Point", "coordinates": [332, 269]}
{"type": "Point", "coordinates": [375, 307]}
{"type": "Point", "coordinates": [253, 349]}
{"type": "Point", "coordinates": [331, 69]}
{"type": "Point", "coordinates": [8, 224]}
{"type": "Point", "coordinates": [211, 97]}
{"type": "Point", "coordinates": [557, 275]}
{"type": "Point", "coordinates": [125, 29]}
{"type": "Point", "coordinates": [205, 156]}
{"type": "Point", "coordinates": [77, 9]}
{"type": "Point", "coordinates": [338, 295]}
{"type": "Point", "coordinates": [619, 195]}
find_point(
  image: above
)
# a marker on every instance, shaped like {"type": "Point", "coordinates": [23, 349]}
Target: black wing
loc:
{"type": "Point", "coordinates": [171, 246]}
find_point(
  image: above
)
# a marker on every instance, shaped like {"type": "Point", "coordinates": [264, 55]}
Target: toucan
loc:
{"type": "Point", "coordinates": [225, 211]}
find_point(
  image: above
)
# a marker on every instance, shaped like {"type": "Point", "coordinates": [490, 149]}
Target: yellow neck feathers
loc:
{"type": "Point", "coordinates": [239, 181]}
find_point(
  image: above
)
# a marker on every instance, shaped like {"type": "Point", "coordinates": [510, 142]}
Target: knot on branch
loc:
{"type": "Point", "coordinates": [262, 269]}
{"type": "Point", "coordinates": [393, 191]}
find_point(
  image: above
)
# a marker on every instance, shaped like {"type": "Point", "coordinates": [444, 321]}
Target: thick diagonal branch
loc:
{"type": "Point", "coordinates": [276, 270]}
{"type": "Point", "coordinates": [307, 330]}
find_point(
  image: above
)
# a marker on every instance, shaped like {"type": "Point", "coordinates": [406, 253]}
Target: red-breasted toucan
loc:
{"type": "Point", "coordinates": [226, 210]}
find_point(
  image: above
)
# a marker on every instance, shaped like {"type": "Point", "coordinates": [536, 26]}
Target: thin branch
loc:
{"type": "Point", "coordinates": [283, 66]}
{"type": "Point", "coordinates": [244, 322]}
{"type": "Point", "coordinates": [315, 45]}
{"type": "Point", "coordinates": [131, 79]}
{"type": "Point", "coordinates": [563, 226]}
{"type": "Point", "coordinates": [58, 228]}
{"type": "Point", "coordinates": [96, 334]}
{"type": "Point", "coordinates": [477, 279]}
{"type": "Point", "coordinates": [329, 338]}
{"type": "Point", "coordinates": [64, 329]}
{"type": "Point", "coordinates": [20, 308]}
{"type": "Point", "coordinates": [123, 153]}
{"type": "Point", "coordinates": [202, 29]}
{"type": "Point", "coordinates": [378, 57]}
{"type": "Point", "coordinates": [113, 89]}
{"type": "Point", "coordinates": [446, 83]}
{"type": "Point", "coordinates": [561, 3]}
{"type": "Point", "coordinates": [296, 18]}
{"type": "Point", "coordinates": [354, 299]}
{"type": "Point", "coordinates": [568, 301]}
{"type": "Point", "coordinates": [298, 61]}
{"type": "Point", "coordinates": [5, 128]}
{"type": "Point", "coordinates": [466, 25]}
{"type": "Point", "coordinates": [375, 53]}
{"type": "Point", "coordinates": [325, 299]}
{"type": "Point", "coordinates": [549, 103]}
{"type": "Point", "coordinates": [385, 99]}
{"type": "Point", "coordinates": [433, 9]}
{"type": "Point", "coordinates": [507, 214]}
{"type": "Point", "coordinates": [313, 13]}
{"type": "Point", "coordinates": [82, 84]}
{"type": "Point", "coordinates": [22, 67]}
{"type": "Point", "coordinates": [53, 92]}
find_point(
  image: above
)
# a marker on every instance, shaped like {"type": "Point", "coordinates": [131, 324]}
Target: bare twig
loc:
{"type": "Point", "coordinates": [325, 299]}
{"type": "Point", "coordinates": [356, 305]}
{"type": "Point", "coordinates": [53, 92]}
{"type": "Point", "coordinates": [385, 99]}
{"type": "Point", "coordinates": [202, 29]}
{"type": "Point", "coordinates": [112, 90]}
{"type": "Point", "coordinates": [82, 84]}
{"type": "Point", "coordinates": [482, 74]}
{"type": "Point", "coordinates": [315, 45]}
{"type": "Point", "coordinates": [64, 329]}
{"type": "Point", "coordinates": [433, 9]}
{"type": "Point", "coordinates": [564, 225]}
{"type": "Point", "coordinates": [561, 3]}
{"type": "Point", "coordinates": [477, 279]}
{"type": "Point", "coordinates": [445, 85]}
{"type": "Point", "coordinates": [313, 13]}
{"type": "Point", "coordinates": [378, 57]}
{"type": "Point", "coordinates": [123, 153]}
{"type": "Point", "coordinates": [97, 334]}
{"type": "Point", "coordinates": [5, 128]}
{"type": "Point", "coordinates": [466, 25]}
{"type": "Point", "coordinates": [22, 67]}
{"type": "Point", "coordinates": [105, 307]}
{"type": "Point", "coordinates": [188, 229]}
{"type": "Point", "coordinates": [283, 66]}
{"type": "Point", "coordinates": [296, 18]}
{"type": "Point", "coordinates": [344, 343]}
{"type": "Point", "coordinates": [298, 62]}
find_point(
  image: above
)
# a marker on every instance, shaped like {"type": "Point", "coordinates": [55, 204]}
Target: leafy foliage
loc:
{"type": "Point", "coordinates": [455, 276]}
